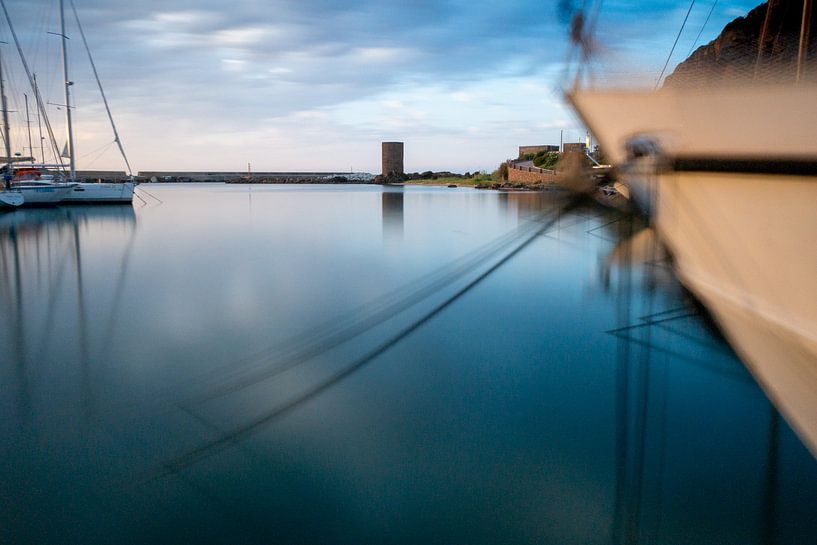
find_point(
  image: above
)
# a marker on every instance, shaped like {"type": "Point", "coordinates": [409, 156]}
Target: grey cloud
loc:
{"type": "Point", "coordinates": [291, 55]}
{"type": "Point", "coordinates": [192, 75]}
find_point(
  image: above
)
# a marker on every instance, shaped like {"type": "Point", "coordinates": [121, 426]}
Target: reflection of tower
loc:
{"type": "Point", "coordinates": [392, 207]}
{"type": "Point", "coordinates": [392, 158]}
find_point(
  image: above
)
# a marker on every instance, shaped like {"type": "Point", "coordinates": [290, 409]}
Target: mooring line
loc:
{"type": "Point", "coordinates": [331, 339]}
{"type": "Point", "coordinates": [250, 428]}
{"type": "Point", "coordinates": [150, 194]}
{"type": "Point", "coordinates": [339, 330]}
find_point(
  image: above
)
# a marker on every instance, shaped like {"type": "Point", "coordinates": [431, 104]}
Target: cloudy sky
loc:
{"type": "Point", "coordinates": [318, 84]}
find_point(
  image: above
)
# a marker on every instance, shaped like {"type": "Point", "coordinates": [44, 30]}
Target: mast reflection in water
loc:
{"type": "Point", "coordinates": [498, 369]}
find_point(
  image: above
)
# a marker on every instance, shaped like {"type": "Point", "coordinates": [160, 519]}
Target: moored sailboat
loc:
{"type": "Point", "coordinates": [39, 189]}
{"type": "Point", "coordinates": [43, 186]}
{"type": "Point", "coordinates": [90, 192]}
{"type": "Point", "coordinates": [728, 174]}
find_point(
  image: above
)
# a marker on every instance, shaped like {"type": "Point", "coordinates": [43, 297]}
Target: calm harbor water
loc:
{"type": "Point", "coordinates": [357, 364]}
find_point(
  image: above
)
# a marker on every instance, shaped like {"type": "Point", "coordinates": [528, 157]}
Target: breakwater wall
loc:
{"type": "Point", "coordinates": [522, 172]}
{"type": "Point", "coordinates": [258, 177]}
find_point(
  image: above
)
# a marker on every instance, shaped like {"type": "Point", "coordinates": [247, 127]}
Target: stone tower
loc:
{"type": "Point", "coordinates": [392, 158]}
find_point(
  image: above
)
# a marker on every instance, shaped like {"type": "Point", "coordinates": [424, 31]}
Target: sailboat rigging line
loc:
{"type": "Point", "coordinates": [6, 128]}
{"type": "Point", "coordinates": [802, 48]}
{"type": "Point", "coordinates": [100, 148]}
{"type": "Point", "coordinates": [39, 126]}
{"type": "Point", "coordinates": [39, 97]}
{"type": "Point", "coordinates": [28, 125]}
{"type": "Point", "coordinates": [230, 439]}
{"type": "Point", "coordinates": [684, 309]}
{"type": "Point", "coordinates": [671, 51]}
{"type": "Point", "coordinates": [703, 26]}
{"type": "Point", "coordinates": [717, 347]}
{"type": "Point", "coordinates": [603, 225]}
{"type": "Point", "coordinates": [647, 322]}
{"type": "Point", "coordinates": [101, 90]}
{"type": "Point", "coordinates": [144, 202]}
{"type": "Point", "coordinates": [706, 364]}
{"type": "Point", "coordinates": [313, 343]}
{"type": "Point", "coordinates": [99, 155]}
{"type": "Point", "coordinates": [150, 195]}
{"type": "Point", "coordinates": [69, 125]}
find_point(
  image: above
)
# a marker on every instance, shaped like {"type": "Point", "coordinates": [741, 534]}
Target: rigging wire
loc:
{"type": "Point", "coordinates": [31, 83]}
{"type": "Point", "coordinates": [16, 83]}
{"type": "Point", "coordinates": [149, 194]}
{"type": "Point", "coordinates": [698, 37]}
{"type": "Point", "coordinates": [103, 151]}
{"type": "Point", "coordinates": [102, 147]}
{"type": "Point", "coordinates": [101, 90]}
{"type": "Point", "coordinates": [680, 31]}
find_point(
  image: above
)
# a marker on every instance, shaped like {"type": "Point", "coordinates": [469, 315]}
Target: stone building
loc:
{"type": "Point", "coordinates": [524, 150]}
{"type": "Point", "coordinates": [392, 158]}
{"type": "Point", "coordinates": [574, 147]}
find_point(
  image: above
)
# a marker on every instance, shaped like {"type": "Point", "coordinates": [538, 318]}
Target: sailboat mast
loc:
{"type": "Point", "coordinates": [68, 83]}
{"type": "Point", "coordinates": [39, 124]}
{"type": "Point", "coordinates": [38, 96]}
{"type": "Point", "coordinates": [28, 124]}
{"type": "Point", "coordinates": [6, 132]}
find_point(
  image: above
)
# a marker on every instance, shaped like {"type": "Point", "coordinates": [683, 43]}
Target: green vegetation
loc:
{"type": "Point", "coordinates": [501, 173]}
{"type": "Point", "coordinates": [546, 159]}
{"type": "Point", "coordinates": [463, 180]}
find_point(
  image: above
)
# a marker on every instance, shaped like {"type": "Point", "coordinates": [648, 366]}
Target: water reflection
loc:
{"type": "Point", "coordinates": [514, 372]}
{"type": "Point", "coordinates": [646, 401]}
{"type": "Point", "coordinates": [392, 212]}
{"type": "Point", "coordinates": [41, 251]}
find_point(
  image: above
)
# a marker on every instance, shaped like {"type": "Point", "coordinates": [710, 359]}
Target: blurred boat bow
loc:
{"type": "Point", "coordinates": [729, 178]}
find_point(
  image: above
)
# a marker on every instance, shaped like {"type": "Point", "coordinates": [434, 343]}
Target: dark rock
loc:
{"type": "Point", "coordinates": [732, 57]}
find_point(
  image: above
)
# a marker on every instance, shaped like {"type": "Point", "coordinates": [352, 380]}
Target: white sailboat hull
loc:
{"type": "Point", "coordinates": [85, 192]}
{"type": "Point", "coordinates": [43, 195]}
{"type": "Point", "coordinates": [11, 199]}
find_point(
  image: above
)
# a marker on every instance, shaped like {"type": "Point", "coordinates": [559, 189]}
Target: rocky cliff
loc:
{"type": "Point", "coordinates": [735, 56]}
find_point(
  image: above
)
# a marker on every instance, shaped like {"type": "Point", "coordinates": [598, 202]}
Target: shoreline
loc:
{"type": "Point", "coordinates": [498, 186]}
